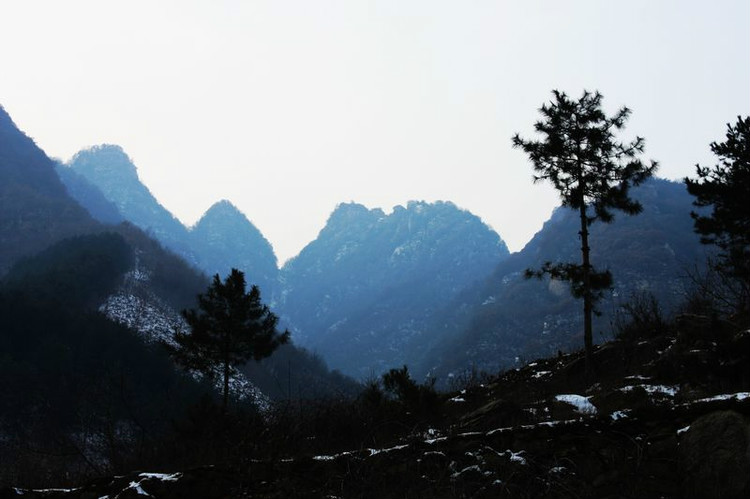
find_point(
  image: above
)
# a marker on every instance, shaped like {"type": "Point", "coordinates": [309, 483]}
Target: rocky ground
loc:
{"type": "Point", "coordinates": [666, 415]}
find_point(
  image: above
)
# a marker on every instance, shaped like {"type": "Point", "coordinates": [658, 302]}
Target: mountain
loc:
{"type": "Point", "coordinates": [69, 375]}
{"type": "Point", "coordinates": [104, 176]}
{"type": "Point", "coordinates": [105, 181]}
{"type": "Point", "coordinates": [224, 238]}
{"type": "Point", "coordinates": [84, 307]}
{"type": "Point", "coordinates": [35, 209]}
{"type": "Point", "coordinates": [89, 196]}
{"type": "Point", "coordinates": [364, 292]}
{"type": "Point", "coordinates": [648, 254]}
{"type": "Point", "coordinates": [111, 170]}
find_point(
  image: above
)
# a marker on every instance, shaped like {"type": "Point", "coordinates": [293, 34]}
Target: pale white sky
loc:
{"type": "Point", "coordinates": [288, 107]}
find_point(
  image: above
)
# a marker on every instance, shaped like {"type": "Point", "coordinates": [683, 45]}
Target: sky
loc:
{"type": "Point", "coordinates": [289, 107]}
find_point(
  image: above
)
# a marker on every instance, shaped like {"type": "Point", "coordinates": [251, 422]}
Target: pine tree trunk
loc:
{"type": "Point", "coordinates": [587, 296]}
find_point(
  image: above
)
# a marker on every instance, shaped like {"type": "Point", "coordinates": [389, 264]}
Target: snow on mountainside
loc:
{"type": "Point", "coordinates": [134, 305]}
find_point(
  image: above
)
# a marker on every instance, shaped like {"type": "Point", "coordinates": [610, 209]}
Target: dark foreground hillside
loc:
{"type": "Point", "coordinates": [668, 416]}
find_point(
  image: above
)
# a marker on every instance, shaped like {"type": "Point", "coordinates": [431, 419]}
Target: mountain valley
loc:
{"type": "Point", "coordinates": [422, 362]}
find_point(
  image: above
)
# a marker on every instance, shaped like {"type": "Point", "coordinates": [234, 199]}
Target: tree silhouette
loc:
{"type": "Point", "coordinates": [230, 327]}
{"type": "Point", "coordinates": [726, 188]}
{"type": "Point", "coordinates": [593, 173]}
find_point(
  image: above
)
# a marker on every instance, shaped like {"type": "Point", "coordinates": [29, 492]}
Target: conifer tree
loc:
{"type": "Point", "coordinates": [593, 172]}
{"type": "Point", "coordinates": [231, 327]}
{"type": "Point", "coordinates": [726, 188]}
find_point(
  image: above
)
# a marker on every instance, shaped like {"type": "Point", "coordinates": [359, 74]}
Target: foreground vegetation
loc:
{"type": "Point", "coordinates": [667, 417]}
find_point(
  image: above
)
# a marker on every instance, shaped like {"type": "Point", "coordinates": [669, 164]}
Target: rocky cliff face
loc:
{"type": "Point", "coordinates": [364, 293]}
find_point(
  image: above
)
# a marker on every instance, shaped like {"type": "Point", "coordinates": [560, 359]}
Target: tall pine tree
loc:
{"type": "Point", "coordinates": [593, 172]}
{"type": "Point", "coordinates": [230, 327]}
{"type": "Point", "coordinates": [726, 189]}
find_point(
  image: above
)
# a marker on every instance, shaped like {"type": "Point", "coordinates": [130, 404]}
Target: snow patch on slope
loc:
{"type": "Point", "coordinates": [134, 305]}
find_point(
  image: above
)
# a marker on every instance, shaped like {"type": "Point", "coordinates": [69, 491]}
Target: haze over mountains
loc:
{"type": "Point", "coordinates": [428, 285]}
{"type": "Point", "coordinates": [653, 253]}
{"type": "Point", "coordinates": [39, 215]}
{"type": "Point", "coordinates": [364, 293]}
{"type": "Point", "coordinates": [223, 238]}
{"type": "Point", "coordinates": [361, 294]}
{"type": "Point", "coordinates": [35, 209]}
{"type": "Point", "coordinates": [93, 272]}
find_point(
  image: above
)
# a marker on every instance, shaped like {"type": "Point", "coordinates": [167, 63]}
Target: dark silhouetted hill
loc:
{"type": "Point", "coordinates": [35, 209]}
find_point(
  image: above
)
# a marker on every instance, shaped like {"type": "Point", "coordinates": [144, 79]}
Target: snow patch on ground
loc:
{"type": "Point", "coordinates": [670, 391]}
{"type": "Point", "coordinates": [580, 402]}
{"type": "Point", "coordinates": [727, 396]}
{"type": "Point", "coordinates": [516, 457]}
{"type": "Point", "coordinates": [617, 415]}
{"type": "Point", "coordinates": [162, 476]}
{"type": "Point", "coordinates": [550, 424]}
{"type": "Point", "coordinates": [374, 452]}
{"type": "Point", "coordinates": [433, 441]}
{"type": "Point", "coordinates": [370, 453]}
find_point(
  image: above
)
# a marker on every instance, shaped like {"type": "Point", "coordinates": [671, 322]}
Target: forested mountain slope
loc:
{"type": "Point", "coordinates": [365, 292]}
{"type": "Point", "coordinates": [35, 210]}
{"type": "Point", "coordinates": [651, 253]}
{"type": "Point", "coordinates": [224, 238]}
{"type": "Point", "coordinates": [111, 170]}
{"type": "Point", "coordinates": [103, 177]}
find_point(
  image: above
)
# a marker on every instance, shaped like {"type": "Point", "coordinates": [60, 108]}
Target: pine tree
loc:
{"type": "Point", "coordinates": [726, 188]}
{"type": "Point", "coordinates": [230, 327]}
{"type": "Point", "coordinates": [593, 173]}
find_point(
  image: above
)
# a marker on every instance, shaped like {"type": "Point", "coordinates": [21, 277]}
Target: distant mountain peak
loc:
{"type": "Point", "coordinates": [224, 237]}
{"type": "Point", "coordinates": [225, 203]}
{"type": "Point", "coordinates": [104, 160]}
{"type": "Point", "coordinates": [352, 210]}
{"type": "Point", "coordinates": [107, 167]}
{"type": "Point", "coordinates": [225, 213]}
{"type": "Point", "coordinates": [223, 208]}
{"type": "Point", "coordinates": [365, 292]}
{"type": "Point", "coordinates": [419, 205]}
